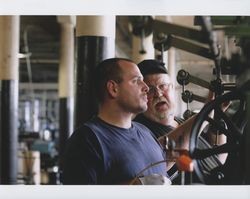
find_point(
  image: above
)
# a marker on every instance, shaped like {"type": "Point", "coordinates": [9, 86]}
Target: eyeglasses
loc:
{"type": "Point", "coordinates": [162, 87]}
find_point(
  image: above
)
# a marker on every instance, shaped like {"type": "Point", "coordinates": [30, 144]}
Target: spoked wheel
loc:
{"type": "Point", "coordinates": [231, 124]}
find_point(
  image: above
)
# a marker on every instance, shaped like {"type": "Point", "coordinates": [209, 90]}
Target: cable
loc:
{"type": "Point", "coordinates": [26, 50]}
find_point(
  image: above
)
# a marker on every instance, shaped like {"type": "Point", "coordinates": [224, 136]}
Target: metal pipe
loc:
{"type": "Point", "coordinates": [229, 86]}
{"type": "Point", "coordinates": [212, 41]}
{"type": "Point", "coordinates": [184, 78]}
{"type": "Point", "coordinates": [190, 47]}
{"type": "Point", "coordinates": [182, 31]}
{"type": "Point", "coordinates": [188, 96]}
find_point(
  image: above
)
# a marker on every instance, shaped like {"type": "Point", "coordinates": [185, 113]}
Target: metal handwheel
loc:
{"type": "Point", "coordinates": [232, 125]}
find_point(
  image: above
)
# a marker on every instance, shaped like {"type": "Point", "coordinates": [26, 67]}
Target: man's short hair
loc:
{"type": "Point", "coordinates": [106, 70]}
{"type": "Point", "coordinates": [152, 66]}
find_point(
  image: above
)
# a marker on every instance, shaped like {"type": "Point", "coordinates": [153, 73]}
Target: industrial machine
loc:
{"type": "Point", "coordinates": [233, 123]}
{"type": "Point", "coordinates": [232, 63]}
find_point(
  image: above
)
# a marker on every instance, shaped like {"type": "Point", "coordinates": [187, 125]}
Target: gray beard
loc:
{"type": "Point", "coordinates": [162, 116]}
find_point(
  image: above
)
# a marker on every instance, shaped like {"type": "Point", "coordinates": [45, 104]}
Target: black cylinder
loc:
{"type": "Point", "coordinates": [8, 131]}
{"type": "Point", "coordinates": [90, 51]}
{"type": "Point", "coordinates": [64, 129]}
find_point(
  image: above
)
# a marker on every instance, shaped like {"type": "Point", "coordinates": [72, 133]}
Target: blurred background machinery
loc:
{"type": "Point", "coordinates": [182, 42]}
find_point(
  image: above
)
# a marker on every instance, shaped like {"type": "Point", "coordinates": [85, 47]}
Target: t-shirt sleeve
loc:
{"type": "Point", "coordinates": [83, 162]}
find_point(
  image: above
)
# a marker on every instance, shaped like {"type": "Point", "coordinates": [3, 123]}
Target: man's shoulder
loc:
{"type": "Point", "coordinates": [138, 124]}
{"type": "Point", "coordinates": [80, 132]}
{"type": "Point", "coordinates": [142, 128]}
{"type": "Point", "coordinates": [84, 130]}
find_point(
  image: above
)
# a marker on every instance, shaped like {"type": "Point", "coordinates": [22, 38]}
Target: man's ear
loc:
{"type": "Point", "coordinates": [112, 88]}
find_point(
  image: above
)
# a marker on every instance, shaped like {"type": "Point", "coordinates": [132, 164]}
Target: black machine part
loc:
{"type": "Point", "coordinates": [232, 171]}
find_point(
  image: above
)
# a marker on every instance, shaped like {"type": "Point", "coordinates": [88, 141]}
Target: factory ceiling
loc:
{"type": "Point", "coordinates": [40, 40]}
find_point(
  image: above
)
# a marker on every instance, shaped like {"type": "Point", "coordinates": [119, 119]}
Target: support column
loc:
{"type": "Point", "coordinates": [95, 42]}
{"type": "Point", "coordinates": [180, 105]}
{"type": "Point", "coordinates": [247, 139]}
{"type": "Point", "coordinates": [169, 55]}
{"type": "Point", "coordinates": [169, 58]}
{"type": "Point", "coordinates": [66, 75]}
{"type": "Point", "coordinates": [9, 47]}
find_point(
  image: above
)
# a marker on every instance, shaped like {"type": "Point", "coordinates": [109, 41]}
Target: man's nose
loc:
{"type": "Point", "coordinates": [158, 92]}
{"type": "Point", "coordinates": [145, 87]}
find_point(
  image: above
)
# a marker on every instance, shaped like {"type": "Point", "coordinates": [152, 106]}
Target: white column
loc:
{"type": "Point", "coordinates": [169, 58]}
{"type": "Point", "coordinates": [9, 47]}
{"type": "Point", "coordinates": [95, 42]}
{"type": "Point", "coordinates": [100, 26]}
{"type": "Point", "coordinates": [66, 68]}
{"type": "Point", "coordinates": [66, 81]}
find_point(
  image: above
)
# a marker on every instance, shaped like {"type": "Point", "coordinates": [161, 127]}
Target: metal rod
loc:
{"type": "Point", "coordinates": [212, 40]}
{"type": "Point", "coordinates": [229, 86]}
{"type": "Point", "coordinates": [191, 47]}
{"type": "Point", "coordinates": [182, 31]}
{"type": "Point", "coordinates": [188, 96]}
{"type": "Point", "coordinates": [184, 78]}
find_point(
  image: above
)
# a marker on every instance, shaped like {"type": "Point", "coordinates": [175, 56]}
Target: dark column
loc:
{"type": "Point", "coordinates": [65, 91]}
{"type": "Point", "coordinates": [247, 139]}
{"type": "Point", "coordinates": [9, 46]}
{"type": "Point", "coordinates": [95, 42]}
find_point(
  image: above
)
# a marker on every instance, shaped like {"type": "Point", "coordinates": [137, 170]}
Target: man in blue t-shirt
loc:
{"type": "Point", "coordinates": [110, 148]}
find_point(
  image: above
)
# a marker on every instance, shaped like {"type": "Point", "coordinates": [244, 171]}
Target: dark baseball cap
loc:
{"type": "Point", "coordinates": [152, 66]}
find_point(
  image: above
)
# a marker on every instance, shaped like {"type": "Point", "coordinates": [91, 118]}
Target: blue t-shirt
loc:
{"type": "Point", "coordinates": [100, 153]}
